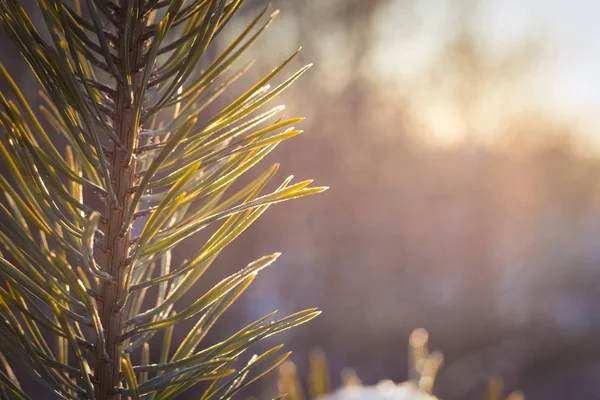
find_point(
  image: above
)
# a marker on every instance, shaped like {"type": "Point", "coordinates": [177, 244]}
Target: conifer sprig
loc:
{"type": "Point", "coordinates": [121, 87]}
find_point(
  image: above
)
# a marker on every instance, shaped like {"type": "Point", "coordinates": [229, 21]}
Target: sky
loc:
{"type": "Point", "coordinates": [564, 80]}
{"type": "Point", "coordinates": [572, 71]}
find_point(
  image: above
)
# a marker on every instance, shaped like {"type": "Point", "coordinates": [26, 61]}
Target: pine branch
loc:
{"type": "Point", "coordinates": [74, 274]}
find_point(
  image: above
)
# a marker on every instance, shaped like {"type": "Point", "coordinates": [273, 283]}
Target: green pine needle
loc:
{"type": "Point", "coordinates": [74, 303]}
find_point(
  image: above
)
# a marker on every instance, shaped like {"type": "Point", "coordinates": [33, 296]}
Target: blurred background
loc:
{"type": "Point", "coordinates": [461, 141]}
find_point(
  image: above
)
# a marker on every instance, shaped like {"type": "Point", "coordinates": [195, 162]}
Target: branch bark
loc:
{"type": "Point", "coordinates": [107, 372]}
